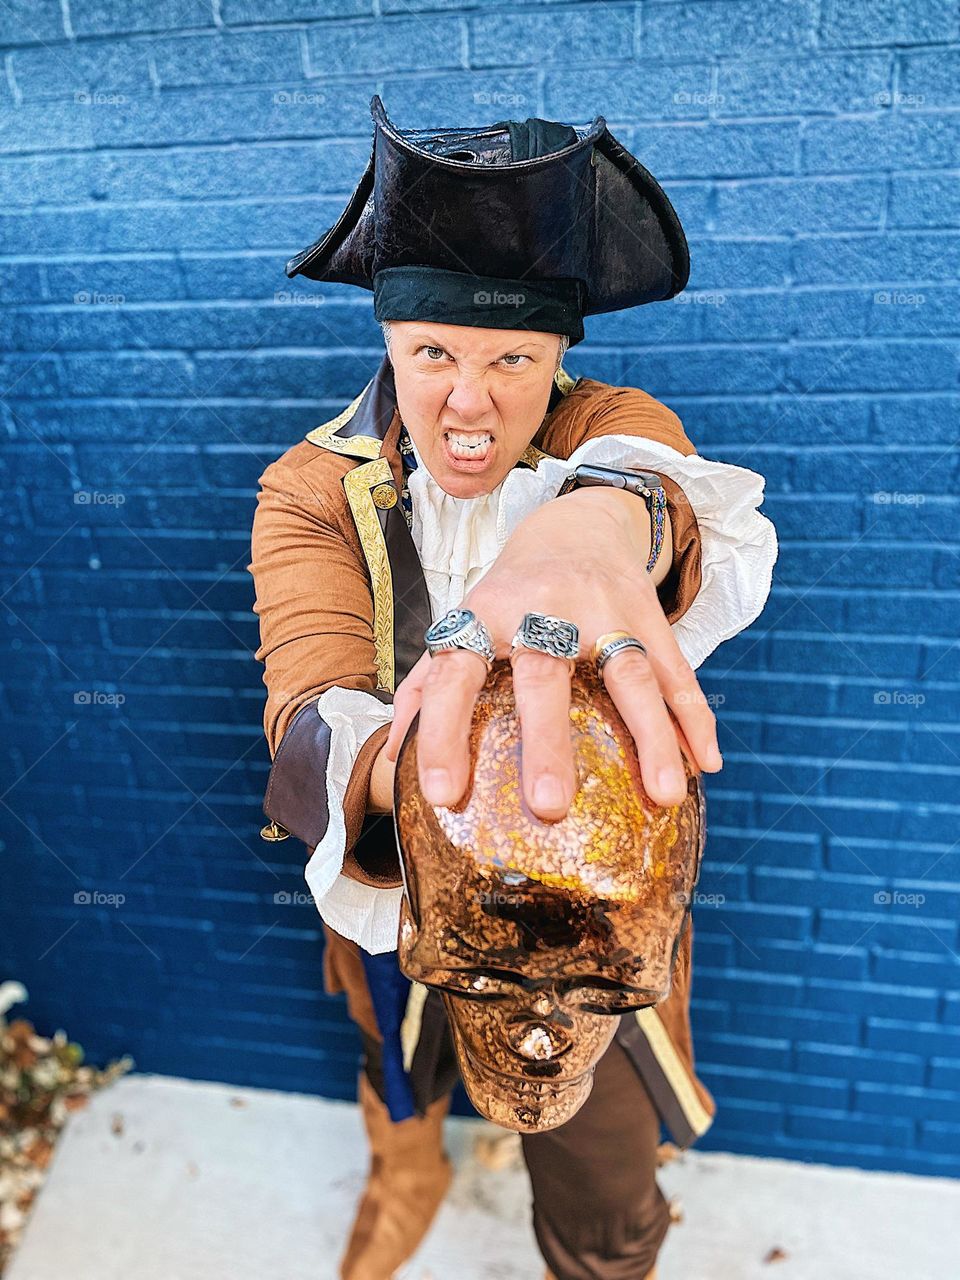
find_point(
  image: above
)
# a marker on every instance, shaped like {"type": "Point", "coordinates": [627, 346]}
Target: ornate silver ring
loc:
{"type": "Point", "coordinates": [542, 631]}
{"type": "Point", "coordinates": [460, 629]}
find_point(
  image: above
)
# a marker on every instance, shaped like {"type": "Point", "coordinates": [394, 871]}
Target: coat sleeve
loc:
{"type": "Point", "coordinates": [724, 548]}
{"type": "Point", "coordinates": [315, 608]}
{"type": "Point", "coordinates": [632, 412]}
{"type": "Point", "coordinates": [620, 411]}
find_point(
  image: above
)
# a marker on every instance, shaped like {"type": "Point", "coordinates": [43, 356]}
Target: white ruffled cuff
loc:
{"type": "Point", "coordinates": [361, 912]}
{"type": "Point", "coordinates": [738, 545]}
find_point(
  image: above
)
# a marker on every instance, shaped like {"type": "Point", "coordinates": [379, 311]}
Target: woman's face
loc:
{"type": "Point", "coordinates": [471, 399]}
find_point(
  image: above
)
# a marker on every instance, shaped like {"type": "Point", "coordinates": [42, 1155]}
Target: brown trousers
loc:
{"type": "Point", "coordinates": [598, 1213]}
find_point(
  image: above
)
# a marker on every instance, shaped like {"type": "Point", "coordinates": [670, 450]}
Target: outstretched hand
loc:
{"type": "Point", "coordinates": [601, 584]}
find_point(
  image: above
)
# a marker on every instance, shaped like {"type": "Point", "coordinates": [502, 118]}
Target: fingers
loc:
{"type": "Point", "coordinates": [685, 747]}
{"type": "Point", "coordinates": [687, 701]}
{"type": "Point", "coordinates": [631, 682]}
{"type": "Point", "coordinates": [656, 693]}
{"type": "Point", "coordinates": [681, 692]}
{"type": "Point", "coordinates": [541, 686]}
{"type": "Point", "coordinates": [450, 690]}
{"type": "Point", "coordinates": [406, 704]}
{"type": "Point", "coordinates": [444, 690]}
{"type": "Point", "coordinates": [646, 689]}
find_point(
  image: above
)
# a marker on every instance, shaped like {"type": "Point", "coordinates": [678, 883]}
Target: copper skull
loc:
{"type": "Point", "coordinates": [537, 932]}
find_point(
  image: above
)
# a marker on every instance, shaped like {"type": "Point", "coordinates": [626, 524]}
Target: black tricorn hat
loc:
{"type": "Point", "coordinates": [535, 205]}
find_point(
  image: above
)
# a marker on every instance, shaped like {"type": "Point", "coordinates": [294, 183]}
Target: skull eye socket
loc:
{"type": "Point", "coordinates": [474, 986]}
{"type": "Point", "coordinates": [598, 995]}
{"type": "Point", "coordinates": [595, 999]}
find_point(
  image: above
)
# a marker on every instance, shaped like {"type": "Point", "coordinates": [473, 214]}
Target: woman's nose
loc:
{"type": "Point", "coordinates": [469, 399]}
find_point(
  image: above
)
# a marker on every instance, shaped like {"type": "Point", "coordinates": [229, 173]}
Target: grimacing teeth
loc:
{"type": "Point", "coordinates": [479, 445]}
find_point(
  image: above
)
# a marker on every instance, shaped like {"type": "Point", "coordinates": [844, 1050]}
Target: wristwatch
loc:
{"type": "Point", "coordinates": [645, 484]}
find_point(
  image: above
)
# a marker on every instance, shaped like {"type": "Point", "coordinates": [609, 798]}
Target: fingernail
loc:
{"type": "Point", "coordinates": [436, 785]}
{"type": "Point", "coordinates": [670, 779]}
{"type": "Point", "coordinates": [547, 792]}
{"type": "Point", "coordinates": [715, 758]}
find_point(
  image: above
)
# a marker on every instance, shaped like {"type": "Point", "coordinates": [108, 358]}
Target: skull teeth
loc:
{"type": "Point", "coordinates": [536, 1044]}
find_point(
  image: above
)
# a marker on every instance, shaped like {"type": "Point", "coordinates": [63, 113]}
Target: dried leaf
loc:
{"type": "Point", "coordinates": [11, 993]}
{"type": "Point", "coordinates": [39, 1151]}
{"type": "Point", "coordinates": [776, 1254]}
{"type": "Point", "coordinates": [41, 1082]}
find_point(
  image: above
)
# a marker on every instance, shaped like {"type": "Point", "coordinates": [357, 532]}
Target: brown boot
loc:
{"type": "Point", "coordinates": [409, 1176]}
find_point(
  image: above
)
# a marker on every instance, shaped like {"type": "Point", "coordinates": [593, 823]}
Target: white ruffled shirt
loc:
{"type": "Point", "coordinates": [459, 538]}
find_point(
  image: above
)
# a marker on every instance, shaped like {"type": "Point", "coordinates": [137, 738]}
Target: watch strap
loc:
{"type": "Point", "coordinates": [645, 484]}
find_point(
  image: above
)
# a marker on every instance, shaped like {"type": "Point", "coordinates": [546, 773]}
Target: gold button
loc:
{"type": "Point", "coordinates": [384, 496]}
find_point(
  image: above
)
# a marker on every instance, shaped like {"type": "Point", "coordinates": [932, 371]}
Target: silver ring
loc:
{"type": "Point", "coordinates": [623, 641]}
{"type": "Point", "coordinates": [460, 629]}
{"type": "Point", "coordinates": [545, 633]}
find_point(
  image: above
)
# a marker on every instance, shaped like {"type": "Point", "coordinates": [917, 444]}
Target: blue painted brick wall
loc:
{"type": "Point", "coordinates": [160, 163]}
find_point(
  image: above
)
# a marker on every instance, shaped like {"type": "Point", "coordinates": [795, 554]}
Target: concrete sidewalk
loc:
{"type": "Point", "coordinates": [168, 1179]}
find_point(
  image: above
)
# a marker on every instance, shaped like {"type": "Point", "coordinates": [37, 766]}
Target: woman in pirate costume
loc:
{"type": "Point", "coordinates": [474, 502]}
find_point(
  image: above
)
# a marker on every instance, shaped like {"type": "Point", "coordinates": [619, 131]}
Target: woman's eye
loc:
{"type": "Point", "coordinates": [431, 350]}
{"type": "Point", "coordinates": [514, 358]}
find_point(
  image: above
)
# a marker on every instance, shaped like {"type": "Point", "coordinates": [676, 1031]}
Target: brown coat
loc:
{"type": "Point", "coordinates": [341, 601]}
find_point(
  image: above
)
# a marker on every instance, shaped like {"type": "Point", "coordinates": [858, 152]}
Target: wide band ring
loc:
{"type": "Point", "coordinates": [460, 629]}
{"type": "Point", "coordinates": [545, 633]}
{"type": "Point", "coordinates": [612, 642]}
